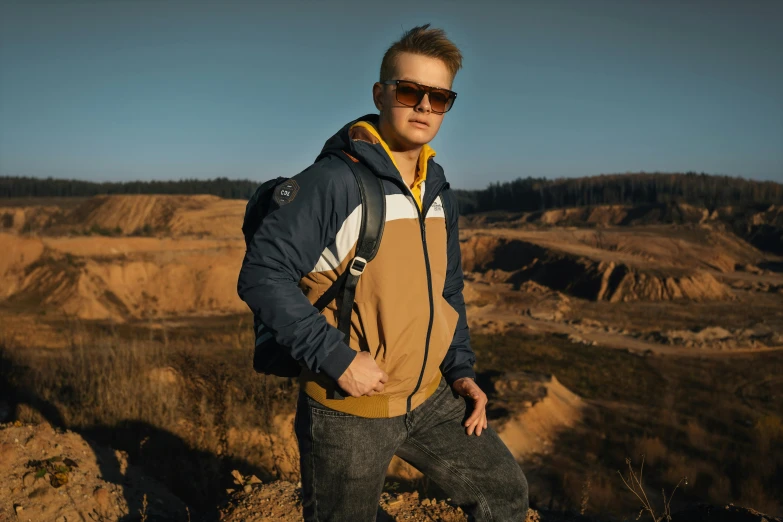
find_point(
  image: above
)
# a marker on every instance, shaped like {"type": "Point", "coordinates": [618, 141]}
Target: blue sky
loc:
{"type": "Point", "coordinates": [157, 89]}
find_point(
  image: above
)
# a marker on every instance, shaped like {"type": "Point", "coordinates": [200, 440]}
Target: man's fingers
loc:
{"type": "Point", "coordinates": [477, 426]}
{"type": "Point", "coordinates": [472, 419]}
{"type": "Point", "coordinates": [482, 424]}
{"type": "Point", "coordinates": [477, 422]}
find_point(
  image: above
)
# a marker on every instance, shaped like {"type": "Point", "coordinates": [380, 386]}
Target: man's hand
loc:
{"type": "Point", "coordinates": [467, 387]}
{"type": "Point", "coordinates": [362, 377]}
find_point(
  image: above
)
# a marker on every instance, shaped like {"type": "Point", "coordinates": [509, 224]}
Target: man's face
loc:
{"type": "Point", "coordinates": [396, 120]}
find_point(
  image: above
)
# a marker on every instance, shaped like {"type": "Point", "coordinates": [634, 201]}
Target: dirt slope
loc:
{"type": "Point", "coordinates": [27, 218]}
{"type": "Point", "coordinates": [548, 407]}
{"type": "Point", "coordinates": [102, 278]}
{"type": "Point", "coordinates": [631, 215]}
{"type": "Point", "coordinates": [585, 271]}
{"type": "Point", "coordinates": [170, 215]}
{"type": "Point", "coordinates": [186, 258]}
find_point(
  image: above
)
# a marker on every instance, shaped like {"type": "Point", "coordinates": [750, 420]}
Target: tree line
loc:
{"type": "Point", "coordinates": [537, 194]}
{"type": "Point", "coordinates": [20, 187]}
{"type": "Point", "coordinates": [521, 195]}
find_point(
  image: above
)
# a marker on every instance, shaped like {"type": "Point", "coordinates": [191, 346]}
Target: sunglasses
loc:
{"type": "Point", "coordinates": [410, 94]}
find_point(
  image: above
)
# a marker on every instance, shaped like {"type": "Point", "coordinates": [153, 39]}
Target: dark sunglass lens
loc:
{"type": "Point", "coordinates": [409, 94]}
{"type": "Point", "coordinates": [439, 101]}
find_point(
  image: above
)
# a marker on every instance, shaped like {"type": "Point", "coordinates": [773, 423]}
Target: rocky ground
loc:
{"type": "Point", "coordinates": [52, 475]}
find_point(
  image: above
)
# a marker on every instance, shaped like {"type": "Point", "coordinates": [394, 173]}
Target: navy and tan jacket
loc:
{"type": "Point", "coordinates": [409, 311]}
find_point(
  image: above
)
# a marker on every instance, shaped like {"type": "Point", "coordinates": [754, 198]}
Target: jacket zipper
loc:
{"type": "Point", "coordinates": [429, 279]}
{"type": "Point", "coordinates": [429, 290]}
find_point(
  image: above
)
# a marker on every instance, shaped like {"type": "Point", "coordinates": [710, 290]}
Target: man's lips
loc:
{"type": "Point", "coordinates": [421, 122]}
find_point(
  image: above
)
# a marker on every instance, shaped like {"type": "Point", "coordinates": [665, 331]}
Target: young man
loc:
{"type": "Point", "coordinates": [407, 373]}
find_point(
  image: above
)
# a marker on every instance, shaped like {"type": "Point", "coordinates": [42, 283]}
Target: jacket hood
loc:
{"type": "Point", "coordinates": [361, 139]}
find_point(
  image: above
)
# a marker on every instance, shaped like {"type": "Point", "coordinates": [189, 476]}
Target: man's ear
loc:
{"type": "Point", "coordinates": [377, 96]}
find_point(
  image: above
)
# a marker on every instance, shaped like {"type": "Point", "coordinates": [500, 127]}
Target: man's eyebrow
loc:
{"type": "Point", "coordinates": [408, 78]}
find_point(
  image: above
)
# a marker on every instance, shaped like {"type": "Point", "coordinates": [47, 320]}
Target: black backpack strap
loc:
{"type": "Point", "coordinates": [373, 220]}
{"type": "Point", "coordinates": [369, 235]}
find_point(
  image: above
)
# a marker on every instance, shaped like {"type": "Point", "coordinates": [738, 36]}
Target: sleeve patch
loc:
{"type": "Point", "coordinates": [286, 192]}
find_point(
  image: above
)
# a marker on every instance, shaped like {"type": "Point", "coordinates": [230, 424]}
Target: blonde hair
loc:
{"type": "Point", "coordinates": [426, 42]}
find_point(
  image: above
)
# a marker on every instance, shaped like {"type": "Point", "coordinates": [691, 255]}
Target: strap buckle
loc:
{"type": "Point", "coordinates": [357, 266]}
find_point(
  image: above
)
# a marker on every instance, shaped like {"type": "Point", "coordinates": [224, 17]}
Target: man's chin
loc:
{"type": "Point", "coordinates": [411, 140]}
{"type": "Point", "coordinates": [416, 141]}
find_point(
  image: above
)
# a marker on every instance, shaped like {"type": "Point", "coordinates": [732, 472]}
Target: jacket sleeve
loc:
{"type": "Point", "coordinates": [460, 358]}
{"type": "Point", "coordinates": [286, 247]}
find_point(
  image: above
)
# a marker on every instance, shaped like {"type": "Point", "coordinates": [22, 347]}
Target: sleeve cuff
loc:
{"type": "Point", "coordinates": [458, 373]}
{"type": "Point", "coordinates": [336, 362]}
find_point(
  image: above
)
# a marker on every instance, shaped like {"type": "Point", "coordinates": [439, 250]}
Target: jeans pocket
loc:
{"type": "Point", "coordinates": [319, 409]}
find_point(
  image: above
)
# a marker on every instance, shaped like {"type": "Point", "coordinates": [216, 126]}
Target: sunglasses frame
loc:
{"type": "Point", "coordinates": [427, 90]}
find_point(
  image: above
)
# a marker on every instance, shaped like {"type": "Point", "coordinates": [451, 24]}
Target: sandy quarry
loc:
{"type": "Point", "coordinates": [136, 258]}
{"type": "Point", "coordinates": [664, 280]}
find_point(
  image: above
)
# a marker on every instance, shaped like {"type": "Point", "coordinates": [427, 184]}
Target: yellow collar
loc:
{"type": "Point", "coordinates": [373, 136]}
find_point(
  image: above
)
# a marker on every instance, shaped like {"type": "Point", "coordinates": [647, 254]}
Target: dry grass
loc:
{"type": "Point", "coordinates": [185, 404]}
{"type": "Point", "coordinates": [634, 483]}
{"type": "Point", "coordinates": [716, 420]}
{"type": "Point", "coordinates": [169, 403]}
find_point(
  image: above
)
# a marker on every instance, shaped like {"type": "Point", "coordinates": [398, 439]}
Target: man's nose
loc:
{"type": "Point", "coordinates": [424, 104]}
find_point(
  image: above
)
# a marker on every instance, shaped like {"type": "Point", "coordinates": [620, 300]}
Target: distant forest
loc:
{"type": "Point", "coordinates": [704, 190]}
{"type": "Point", "coordinates": [21, 187]}
{"type": "Point", "coordinates": [520, 195]}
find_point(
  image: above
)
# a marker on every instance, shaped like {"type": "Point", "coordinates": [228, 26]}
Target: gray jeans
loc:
{"type": "Point", "coordinates": [344, 459]}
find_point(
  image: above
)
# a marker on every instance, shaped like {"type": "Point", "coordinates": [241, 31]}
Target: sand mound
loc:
{"type": "Point", "coordinates": [18, 253]}
{"type": "Point", "coordinates": [518, 261]}
{"type": "Point", "coordinates": [696, 247]}
{"type": "Point", "coordinates": [761, 228]}
{"type": "Point", "coordinates": [155, 214]}
{"type": "Point", "coordinates": [132, 212]}
{"type": "Point", "coordinates": [596, 215]}
{"type": "Point", "coordinates": [548, 407]}
{"type": "Point", "coordinates": [137, 215]}
{"type": "Point", "coordinates": [174, 281]}
{"type": "Point", "coordinates": [58, 476]}
{"type": "Point", "coordinates": [621, 283]}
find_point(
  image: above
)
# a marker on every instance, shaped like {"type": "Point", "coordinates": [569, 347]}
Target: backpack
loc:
{"type": "Point", "coordinates": [271, 358]}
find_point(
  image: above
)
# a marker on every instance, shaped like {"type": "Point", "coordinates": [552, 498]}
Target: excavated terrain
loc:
{"type": "Point", "coordinates": [599, 331]}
